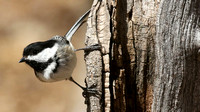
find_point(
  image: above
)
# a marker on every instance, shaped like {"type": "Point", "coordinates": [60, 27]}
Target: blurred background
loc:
{"type": "Point", "coordinates": [21, 23]}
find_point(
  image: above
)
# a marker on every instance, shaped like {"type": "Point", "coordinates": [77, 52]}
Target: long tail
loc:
{"type": "Point", "coordinates": [75, 27]}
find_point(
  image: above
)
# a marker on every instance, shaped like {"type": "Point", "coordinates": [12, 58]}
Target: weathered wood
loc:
{"type": "Point", "coordinates": [133, 54]}
{"type": "Point", "coordinates": [149, 60]}
{"type": "Point", "coordinates": [177, 81]}
{"type": "Point", "coordinates": [97, 62]}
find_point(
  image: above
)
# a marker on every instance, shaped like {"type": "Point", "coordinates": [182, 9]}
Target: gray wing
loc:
{"type": "Point", "coordinates": [75, 27]}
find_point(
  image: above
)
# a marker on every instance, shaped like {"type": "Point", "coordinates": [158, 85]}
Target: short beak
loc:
{"type": "Point", "coordinates": [22, 60]}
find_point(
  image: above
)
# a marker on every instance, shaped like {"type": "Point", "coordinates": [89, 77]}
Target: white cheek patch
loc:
{"type": "Point", "coordinates": [44, 55]}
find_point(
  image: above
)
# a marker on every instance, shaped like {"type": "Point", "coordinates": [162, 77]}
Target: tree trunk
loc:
{"type": "Point", "coordinates": [97, 63]}
{"type": "Point", "coordinates": [148, 60]}
{"type": "Point", "coordinates": [177, 80]}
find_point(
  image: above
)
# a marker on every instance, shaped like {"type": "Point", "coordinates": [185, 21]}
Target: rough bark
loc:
{"type": "Point", "coordinates": [133, 55]}
{"type": "Point", "coordinates": [148, 60]}
{"type": "Point", "coordinates": [97, 62]}
{"type": "Point", "coordinates": [177, 81]}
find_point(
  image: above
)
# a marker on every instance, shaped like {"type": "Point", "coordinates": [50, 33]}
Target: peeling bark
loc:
{"type": "Point", "coordinates": [97, 62]}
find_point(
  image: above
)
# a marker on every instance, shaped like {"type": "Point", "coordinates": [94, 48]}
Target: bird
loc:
{"type": "Point", "coordinates": [55, 59]}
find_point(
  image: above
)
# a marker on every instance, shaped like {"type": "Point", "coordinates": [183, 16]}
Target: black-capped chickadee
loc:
{"type": "Point", "coordinates": [55, 59]}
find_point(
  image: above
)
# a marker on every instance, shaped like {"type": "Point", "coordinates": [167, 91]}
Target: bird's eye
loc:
{"type": "Point", "coordinates": [35, 52]}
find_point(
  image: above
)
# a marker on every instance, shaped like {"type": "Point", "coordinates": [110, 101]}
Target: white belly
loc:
{"type": "Point", "coordinates": [64, 71]}
{"type": "Point", "coordinates": [62, 74]}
